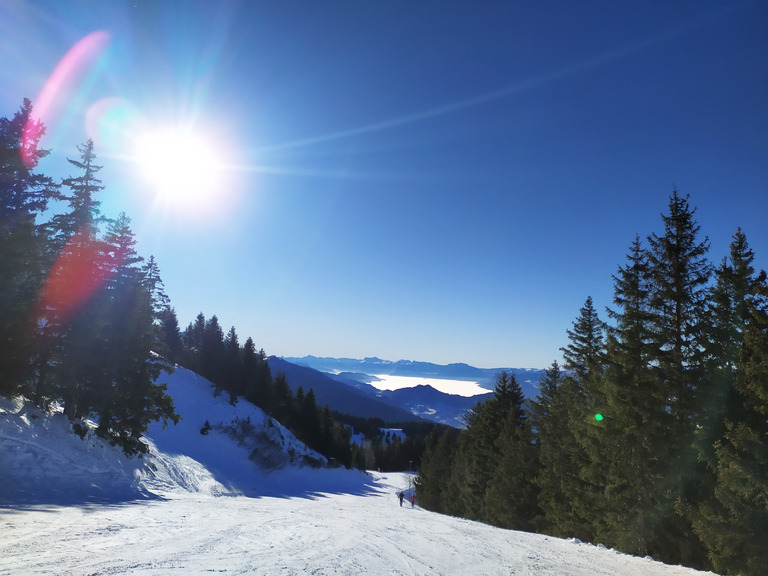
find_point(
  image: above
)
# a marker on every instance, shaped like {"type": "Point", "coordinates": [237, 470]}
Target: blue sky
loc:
{"type": "Point", "coordinates": [437, 181]}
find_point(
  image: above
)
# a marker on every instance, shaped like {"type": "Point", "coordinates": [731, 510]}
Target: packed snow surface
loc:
{"type": "Point", "coordinates": [231, 502]}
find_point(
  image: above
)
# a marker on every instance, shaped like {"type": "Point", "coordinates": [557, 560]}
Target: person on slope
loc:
{"type": "Point", "coordinates": [402, 497]}
{"type": "Point", "coordinates": [413, 500]}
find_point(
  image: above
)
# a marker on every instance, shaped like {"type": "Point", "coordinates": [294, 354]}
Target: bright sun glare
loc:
{"type": "Point", "coordinates": [182, 167]}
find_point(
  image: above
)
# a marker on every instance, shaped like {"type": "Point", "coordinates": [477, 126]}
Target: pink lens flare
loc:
{"type": "Point", "coordinates": [60, 83]}
{"type": "Point", "coordinates": [80, 270]}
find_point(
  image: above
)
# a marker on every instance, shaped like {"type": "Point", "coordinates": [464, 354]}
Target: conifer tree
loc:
{"type": "Point", "coordinates": [573, 504]}
{"type": "Point", "coordinates": [736, 510]}
{"type": "Point", "coordinates": [490, 425]}
{"type": "Point", "coordinates": [84, 214]}
{"type": "Point", "coordinates": [193, 343]}
{"type": "Point", "coordinates": [129, 398]}
{"type": "Point", "coordinates": [73, 327]}
{"type": "Point", "coordinates": [281, 397]}
{"type": "Point", "coordinates": [636, 422]}
{"type": "Point", "coordinates": [513, 494]}
{"type": "Point", "coordinates": [153, 284]}
{"type": "Point", "coordinates": [233, 365]}
{"type": "Point", "coordinates": [433, 481]}
{"type": "Point", "coordinates": [213, 353]}
{"type": "Point", "coordinates": [170, 336]}
{"type": "Point", "coordinates": [680, 275]}
{"type": "Point", "coordinates": [24, 195]}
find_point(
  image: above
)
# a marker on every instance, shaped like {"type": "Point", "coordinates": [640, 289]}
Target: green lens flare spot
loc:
{"type": "Point", "coordinates": [598, 417]}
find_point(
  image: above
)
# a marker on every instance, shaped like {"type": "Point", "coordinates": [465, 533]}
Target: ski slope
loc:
{"type": "Point", "coordinates": [198, 505]}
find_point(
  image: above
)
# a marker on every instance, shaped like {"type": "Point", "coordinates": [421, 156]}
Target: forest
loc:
{"type": "Point", "coordinates": [652, 436]}
{"type": "Point", "coordinates": [85, 321]}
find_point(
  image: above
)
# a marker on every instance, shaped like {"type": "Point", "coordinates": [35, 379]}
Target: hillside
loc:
{"type": "Point", "coordinates": [235, 503]}
{"type": "Point", "coordinates": [337, 395]}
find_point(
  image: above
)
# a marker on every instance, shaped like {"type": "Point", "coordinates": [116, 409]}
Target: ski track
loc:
{"type": "Point", "coordinates": [340, 534]}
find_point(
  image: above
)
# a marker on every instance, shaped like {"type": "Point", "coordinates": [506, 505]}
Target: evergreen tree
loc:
{"type": "Point", "coordinates": [259, 379]}
{"type": "Point", "coordinates": [73, 327]}
{"type": "Point", "coordinates": [212, 356]}
{"type": "Point", "coordinates": [433, 481]}
{"type": "Point", "coordinates": [680, 275]}
{"type": "Point", "coordinates": [636, 422]}
{"type": "Point", "coordinates": [84, 214]}
{"type": "Point", "coordinates": [513, 494]}
{"type": "Point", "coordinates": [309, 416]}
{"type": "Point", "coordinates": [736, 511]}
{"type": "Point", "coordinates": [232, 365]}
{"type": "Point", "coordinates": [574, 504]}
{"type": "Point", "coordinates": [24, 195]}
{"type": "Point", "coordinates": [153, 284]}
{"type": "Point", "coordinates": [584, 356]}
{"type": "Point", "coordinates": [489, 428]}
{"type": "Point", "coordinates": [281, 397]}
{"type": "Point", "coordinates": [129, 397]}
{"type": "Point", "coordinates": [170, 336]}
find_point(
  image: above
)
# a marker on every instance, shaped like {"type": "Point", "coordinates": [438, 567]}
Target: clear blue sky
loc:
{"type": "Point", "coordinates": [439, 181]}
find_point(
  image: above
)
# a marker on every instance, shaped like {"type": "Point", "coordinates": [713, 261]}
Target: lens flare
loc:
{"type": "Point", "coordinates": [64, 78]}
{"type": "Point", "coordinates": [81, 268]}
{"type": "Point", "coordinates": [109, 121]}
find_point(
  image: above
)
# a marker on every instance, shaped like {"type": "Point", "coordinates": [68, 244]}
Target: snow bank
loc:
{"type": "Point", "coordinates": [243, 451]}
{"type": "Point", "coordinates": [42, 460]}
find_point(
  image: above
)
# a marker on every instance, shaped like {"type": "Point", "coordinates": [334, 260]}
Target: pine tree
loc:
{"type": "Point", "coordinates": [212, 356]}
{"type": "Point", "coordinates": [584, 356]}
{"type": "Point", "coordinates": [170, 336]}
{"type": "Point", "coordinates": [259, 378]}
{"type": "Point", "coordinates": [129, 397]}
{"type": "Point", "coordinates": [84, 214]}
{"type": "Point", "coordinates": [433, 481]}
{"type": "Point", "coordinates": [736, 511]}
{"type": "Point", "coordinates": [72, 324]}
{"type": "Point", "coordinates": [233, 366]}
{"type": "Point", "coordinates": [492, 426]}
{"type": "Point", "coordinates": [24, 195]}
{"type": "Point", "coordinates": [575, 504]}
{"type": "Point", "coordinates": [153, 284]}
{"type": "Point", "coordinates": [281, 397]}
{"type": "Point", "coordinates": [193, 343]}
{"type": "Point", "coordinates": [636, 422]}
{"type": "Point", "coordinates": [513, 494]}
{"type": "Point", "coordinates": [680, 275]}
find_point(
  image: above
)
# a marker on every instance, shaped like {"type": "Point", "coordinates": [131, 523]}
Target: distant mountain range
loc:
{"type": "Point", "coordinates": [344, 384]}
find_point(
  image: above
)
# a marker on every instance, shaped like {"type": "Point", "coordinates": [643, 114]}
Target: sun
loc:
{"type": "Point", "coordinates": [183, 168]}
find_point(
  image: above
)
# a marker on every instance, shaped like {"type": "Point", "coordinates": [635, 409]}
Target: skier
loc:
{"type": "Point", "coordinates": [413, 500]}
{"type": "Point", "coordinates": [401, 496]}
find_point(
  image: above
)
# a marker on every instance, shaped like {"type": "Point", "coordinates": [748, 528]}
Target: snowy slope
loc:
{"type": "Point", "coordinates": [199, 504]}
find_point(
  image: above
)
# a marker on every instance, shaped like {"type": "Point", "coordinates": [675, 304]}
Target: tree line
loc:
{"type": "Point", "coordinates": [381, 449]}
{"type": "Point", "coordinates": [242, 372]}
{"type": "Point", "coordinates": [652, 437]}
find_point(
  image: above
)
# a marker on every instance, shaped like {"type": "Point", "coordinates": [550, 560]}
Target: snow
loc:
{"type": "Point", "coordinates": [197, 504]}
